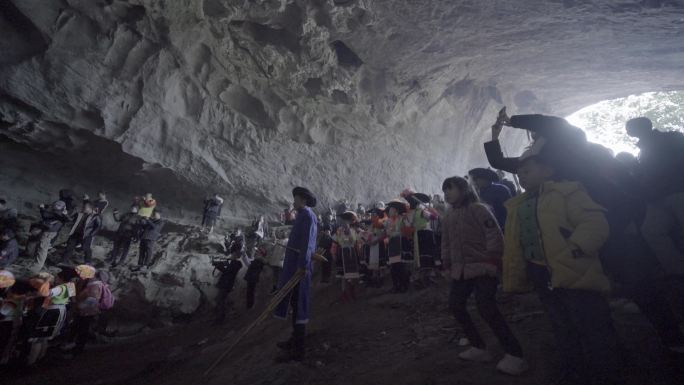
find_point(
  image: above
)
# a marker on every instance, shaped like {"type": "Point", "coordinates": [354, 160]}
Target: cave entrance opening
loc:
{"type": "Point", "coordinates": [604, 122]}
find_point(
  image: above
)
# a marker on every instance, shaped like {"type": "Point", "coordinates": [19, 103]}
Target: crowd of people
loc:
{"type": "Point", "coordinates": [573, 223]}
{"type": "Point", "coordinates": [576, 224]}
{"type": "Point", "coordinates": [67, 298]}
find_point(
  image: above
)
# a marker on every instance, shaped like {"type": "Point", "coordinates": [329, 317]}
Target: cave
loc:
{"type": "Point", "coordinates": [356, 100]}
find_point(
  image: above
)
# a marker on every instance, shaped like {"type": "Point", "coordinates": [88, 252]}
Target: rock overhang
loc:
{"type": "Point", "coordinates": [355, 99]}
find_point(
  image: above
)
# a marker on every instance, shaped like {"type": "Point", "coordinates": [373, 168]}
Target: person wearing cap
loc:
{"type": "Point", "coordinates": [53, 218]}
{"type": "Point", "coordinates": [9, 248]}
{"type": "Point", "coordinates": [85, 228]}
{"type": "Point", "coordinates": [301, 246]}
{"type": "Point", "coordinates": [491, 192]}
{"type": "Point", "coordinates": [89, 289]}
{"type": "Point", "coordinates": [146, 205]}
{"type": "Point", "coordinates": [659, 169]}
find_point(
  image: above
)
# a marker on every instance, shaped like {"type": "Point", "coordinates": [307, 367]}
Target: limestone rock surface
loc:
{"type": "Point", "coordinates": [356, 99]}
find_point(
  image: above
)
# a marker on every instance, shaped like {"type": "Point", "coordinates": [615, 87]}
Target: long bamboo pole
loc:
{"type": "Point", "coordinates": [282, 293]}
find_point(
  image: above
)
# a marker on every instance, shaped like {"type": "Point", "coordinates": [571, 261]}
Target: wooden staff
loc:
{"type": "Point", "coordinates": [317, 256]}
{"type": "Point", "coordinates": [282, 293]}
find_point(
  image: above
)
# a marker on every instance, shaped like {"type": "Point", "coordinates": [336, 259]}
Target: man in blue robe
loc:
{"type": "Point", "coordinates": [301, 246]}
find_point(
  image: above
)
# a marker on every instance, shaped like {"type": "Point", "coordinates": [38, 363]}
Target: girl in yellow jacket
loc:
{"type": "Point", "coordinates": [553, 235]}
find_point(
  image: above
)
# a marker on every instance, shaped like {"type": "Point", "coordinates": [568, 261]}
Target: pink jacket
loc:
{"type": "Point", "coordinates": [472, 242]}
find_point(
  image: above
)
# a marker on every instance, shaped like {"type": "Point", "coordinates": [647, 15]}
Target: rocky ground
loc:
{"type": "Point", "coordinates": [382, 338]}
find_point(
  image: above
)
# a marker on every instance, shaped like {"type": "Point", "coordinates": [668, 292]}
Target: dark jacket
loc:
{"type": "Point", "coordinates": [129, 224]}
{"type": "Point", "coordinates": [510, 185]}
{"type": "Point", "coordinates": [99, 204]}
{"type": "Point", "coordinates": [661, 161]}
{"type": "Point", "coordinates": [51, 221]}
{"type": "Point", "coordinates": [497, 159]}
{"type": "Point", "coordinates": [151, 228]}
{"type": "Point", "coordinates": [93, 224]}
{"type": "Point", "coordinates": [69, 198]}
{"type": "Point", "coordinates": [212, 207]}
{"type": "Point", "coordinates": [558, 133]}
{"type": "Point", "coordinates": [495, 195]}
{"type": "Point", "coordinates": [8, 219]}
{"type": "Point", "coordinates": [9, 251]}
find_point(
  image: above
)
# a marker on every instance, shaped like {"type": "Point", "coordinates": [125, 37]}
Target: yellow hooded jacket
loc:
{"type": "Point", "coordinates": [572, 229]}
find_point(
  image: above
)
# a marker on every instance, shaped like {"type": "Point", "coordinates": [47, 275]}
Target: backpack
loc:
{"type": "Point", "coordinates": [106, 298]}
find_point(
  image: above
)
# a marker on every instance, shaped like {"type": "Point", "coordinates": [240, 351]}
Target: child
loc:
{"type": "Point", "coordinates": [553, 235]}
{"type": "Point", "coordinates": [472, 245]}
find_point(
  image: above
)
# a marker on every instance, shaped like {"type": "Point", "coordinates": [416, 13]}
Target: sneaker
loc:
{"type": "Point", "coordinates": [512, 365]}
{"type": "Point", "coordinates": [476, 355]}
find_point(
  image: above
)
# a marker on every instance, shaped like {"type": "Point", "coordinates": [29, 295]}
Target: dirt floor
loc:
{"type": "Point", "coordinates": [382, 338]}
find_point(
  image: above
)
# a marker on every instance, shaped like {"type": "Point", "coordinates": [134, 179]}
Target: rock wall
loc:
{"type": "Point", "coordinates": [355, 99]}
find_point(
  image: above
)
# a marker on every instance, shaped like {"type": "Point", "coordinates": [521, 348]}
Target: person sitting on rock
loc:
{"type": "Point", "coordinates": [151, 231]}
{"type": "Point", "coordinates": [212, 212]}
{"type": "Point", "coordinates": [9, 249]}
{"type": "Point", "coordinates": [146, 205]}
{"type": "Point", "coordinates": [127, 233]}
{"type": "Point", "coordinates": [83, 232]}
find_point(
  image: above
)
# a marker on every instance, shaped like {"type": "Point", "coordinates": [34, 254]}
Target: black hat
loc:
{"type": "Point", "coordinates": [534, 122]}
{"type": "Point", "coordinates": [484, 173]}
{"type": "Point", "coordinates": [553, 125]}
{"type": "Point", "coordinates": [399, 205]}
{"type": "Point", "coordinates": [349, 216]}
{"type": "Point", "coordinates": [637, 125]}
{"type": "Point", "coordinates": [377, 211]}
{"type": "Point", "coordinates": [306, 194]}
{"type": "Point", "coordinates": [423, 198]}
